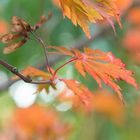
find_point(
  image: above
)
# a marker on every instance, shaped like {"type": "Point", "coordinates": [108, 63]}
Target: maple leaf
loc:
{"type": "Point", "coordinates": [83, 93]}
{"type": "Point", "coordinates": [36, 73]}
{"type": "Point", "coordinates": [20, 29]}
{"type": "Point", "coordinates": [134, 16]}
{"type": "Point", "coordinates": [33, 73]}
{"type": "Point", "coordinates": [45, 123]}
{"type": "Point", "coordinates": [123, 5]}
{"type": "Point", "coordinates": [82, 12]}
{"type": "Point", "coordinates": [131, 40]}
{"type": "Point", "coordinates": [81, 97]}
{"type": "Point", "coordinates": [3, 27]}
{"type": "Point", "coordinates": [101, 101]}
{"type": "Point", "coordinates": [101, 66]}
{"type": "Point", "coordinates": [108, 105]}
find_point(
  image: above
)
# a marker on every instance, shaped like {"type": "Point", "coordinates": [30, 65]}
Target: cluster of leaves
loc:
{"type": "Point", "coordinates": [101, 66]}
{"type": "Point", "coordinates": [82, 12]}
{"type": "Point", "coordinates": [36, 122]}
{"type": "Point", "coordinates": [20, 29]}
{"type": "Point", "coordinates": [98, 64]}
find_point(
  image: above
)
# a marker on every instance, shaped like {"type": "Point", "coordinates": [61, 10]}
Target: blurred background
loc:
{"type": "Point", "coordinates": [28, 116]}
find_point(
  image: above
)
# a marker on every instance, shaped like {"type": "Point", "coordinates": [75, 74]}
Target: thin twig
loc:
{"type": "Point", "coordinates": [27, 79]}
{"type": "Point", "coordinates": [45, 50]}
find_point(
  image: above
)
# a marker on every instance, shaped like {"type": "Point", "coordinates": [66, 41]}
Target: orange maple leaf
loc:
{"type": "Point", "coordinates": [83, 93]}
{"type": "Point", "coordinates": [101, 101]}
{"type": "Point", "coordinates": [33, 73]}
{"type": "Point", "coordinates": [82, 12]}
{"type": "Point", "coordinates": [134, 16]}
{"type": "Point", "coordinates": [80, 96]}
{"type": "Point", "coordinates": [101, 66]}
{"type": "Point", "coordinates": [123, 4]}
{"type": "Point", "coordinates": [108, 105]}
{"type": "Point", "coordinates": [3, 27]}
{"type": "Point", "coordinates": [44, 123]}
{"type": "Point", "coordinates": [36, 73]}
{"type": "Point", "coordinates": [131, 40]}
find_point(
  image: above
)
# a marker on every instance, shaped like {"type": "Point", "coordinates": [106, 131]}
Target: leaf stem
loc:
{"type": "Point", "coordinates": [70, 61]}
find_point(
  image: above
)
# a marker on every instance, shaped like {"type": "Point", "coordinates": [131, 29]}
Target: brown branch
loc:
{"type": "Point", "coordinates": [27, 79]}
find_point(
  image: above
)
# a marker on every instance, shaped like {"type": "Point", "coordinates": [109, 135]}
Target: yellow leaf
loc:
{"type": "Point", "coordinates": [83, 12]}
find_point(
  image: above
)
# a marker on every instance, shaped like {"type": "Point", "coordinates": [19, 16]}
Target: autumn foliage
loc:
{"type": "Point", "coordinates": [37, 121]}
{"type": "Point", "coordinates": [3, 27]}
{"type": "Point", "coordinates": [103, 67]}
{"type": "Point", "coordinates": [82, 12]}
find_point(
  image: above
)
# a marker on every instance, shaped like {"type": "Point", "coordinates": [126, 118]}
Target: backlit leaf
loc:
{"type": "Point", "coordinates": [82, 92]}
{"type": "Point", "coordinates": [39, 122]}
{"type": "Point", "coordinates": [34, 73]}
{"type": "Point", "coordinates": [83, 12]}
{"type": "Point", "coordinates": [103, 67]}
